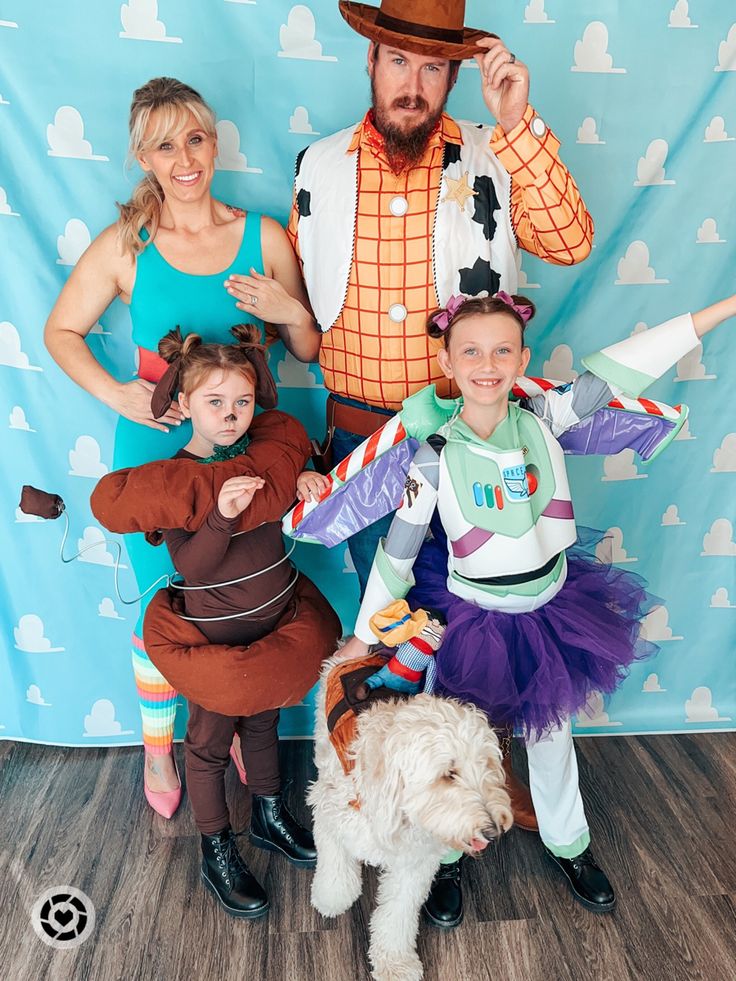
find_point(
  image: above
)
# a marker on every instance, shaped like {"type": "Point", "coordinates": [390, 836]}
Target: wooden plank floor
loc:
{"type": "Point", "coordinates": [661, 811]}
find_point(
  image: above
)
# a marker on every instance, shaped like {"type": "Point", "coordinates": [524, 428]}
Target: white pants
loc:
{"type": "Point", "coordinates": [555, 790]}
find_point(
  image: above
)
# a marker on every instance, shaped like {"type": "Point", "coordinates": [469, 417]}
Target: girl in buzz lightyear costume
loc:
{"type": "Point", "coordinates": [534, 622]}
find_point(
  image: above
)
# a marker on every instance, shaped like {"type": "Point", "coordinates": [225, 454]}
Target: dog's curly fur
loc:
{"type": "Point", "coordinates": [427, 779]}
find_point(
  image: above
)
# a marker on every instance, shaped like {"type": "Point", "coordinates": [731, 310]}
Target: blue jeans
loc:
{"type": "Point", "coordinates": [362, 545]}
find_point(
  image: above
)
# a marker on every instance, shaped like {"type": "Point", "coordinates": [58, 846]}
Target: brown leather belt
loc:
{"type": "Point", "coordinates": [362, 422]}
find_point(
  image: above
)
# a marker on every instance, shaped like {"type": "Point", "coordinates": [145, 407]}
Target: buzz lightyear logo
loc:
{"type": "Point", "coordinates": [515, 482]}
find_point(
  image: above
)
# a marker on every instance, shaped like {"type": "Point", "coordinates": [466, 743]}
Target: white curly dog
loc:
{"type": "Point", "coordinates": [427, 779]}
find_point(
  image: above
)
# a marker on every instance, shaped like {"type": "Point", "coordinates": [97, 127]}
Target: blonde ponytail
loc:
{"type": "Point", "coordinates": [142, 211]}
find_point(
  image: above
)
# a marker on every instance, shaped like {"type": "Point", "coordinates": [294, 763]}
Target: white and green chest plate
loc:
{"type": "Point", "coordinates": [504, 502]}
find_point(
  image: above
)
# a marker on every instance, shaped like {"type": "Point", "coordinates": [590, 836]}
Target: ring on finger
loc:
{"type": "Point", "coordinates": [253, 300]}
{"type": "Point", "coordinates": [512, 58]}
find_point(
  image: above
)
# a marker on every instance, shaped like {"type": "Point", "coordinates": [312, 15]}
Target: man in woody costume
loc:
{"type": "Point", "coordinates": [394, 215]}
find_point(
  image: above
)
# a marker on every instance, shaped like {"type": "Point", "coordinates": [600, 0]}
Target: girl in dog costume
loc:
{"type": "Point", "coordinates": [245, 633]}
{"type": "Point", "coordinates": [534, 622]}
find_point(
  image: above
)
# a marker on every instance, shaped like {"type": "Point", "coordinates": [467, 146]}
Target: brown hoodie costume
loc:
{"type": "Point", "coordinates": [281, 667]}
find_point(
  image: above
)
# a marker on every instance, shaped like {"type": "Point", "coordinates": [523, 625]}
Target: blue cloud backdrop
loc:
{"type": "Point", "coordinates": [643, 97]}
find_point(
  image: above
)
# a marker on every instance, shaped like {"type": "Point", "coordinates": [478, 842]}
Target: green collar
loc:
{"type": "Point", "coordinates": [505, 430]}
{"type": "Point", "coordinates": [228, 452]}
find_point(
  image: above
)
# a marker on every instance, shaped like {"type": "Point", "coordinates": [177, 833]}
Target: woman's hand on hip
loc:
{"type": "Point", "coordinates": [133, 401]}
{"type": "Point", "coordinates": [265, 298]}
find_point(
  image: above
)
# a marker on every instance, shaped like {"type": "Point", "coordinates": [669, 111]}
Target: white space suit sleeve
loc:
{"type": "Point", "coordinates": [636, 362]}
{"type": "Point", "coordinates": [391, 574]}
{"type": "Point", "coordinates": [565, 406]}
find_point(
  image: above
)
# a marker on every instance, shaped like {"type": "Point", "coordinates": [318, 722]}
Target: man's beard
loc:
{"type": "Point", "coordinates": [405, 147]}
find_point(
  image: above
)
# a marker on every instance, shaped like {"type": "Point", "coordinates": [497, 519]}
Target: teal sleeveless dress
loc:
{"type": "Point", "coordinates": [164, 297]}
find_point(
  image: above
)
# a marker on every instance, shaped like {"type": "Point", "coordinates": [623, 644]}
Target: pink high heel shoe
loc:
{"type": "Point", "coordinates": [164, 802]}
{"type": "Point", "coordinates": [238, 766]}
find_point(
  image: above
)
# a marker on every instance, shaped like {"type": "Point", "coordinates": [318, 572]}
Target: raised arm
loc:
{"type": "Point", "coordinates": [548, 214]}
{"type": "Point", "coordinates": [101, 274]}
{"type": "Point", "coordinates": [628, 367]}
{"type": "Point", "coordinates": [281, 299]}
{"type": "Point", "coordinates": [705, 320]}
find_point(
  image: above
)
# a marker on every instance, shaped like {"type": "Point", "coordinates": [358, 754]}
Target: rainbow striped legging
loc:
{"type": "Point", "coordinates": [134, 445]}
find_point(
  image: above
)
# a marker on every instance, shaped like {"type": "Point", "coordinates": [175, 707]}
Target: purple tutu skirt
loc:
{"type": "Point", "coordinates": [533, 670]}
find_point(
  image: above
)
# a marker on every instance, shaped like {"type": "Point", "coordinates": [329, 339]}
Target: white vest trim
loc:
{"type": "Point", "coordinates": [329, 174]}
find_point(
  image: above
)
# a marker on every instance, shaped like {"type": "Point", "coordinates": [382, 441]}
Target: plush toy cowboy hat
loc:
{"type": "Point", "coordinates": [428, 27]}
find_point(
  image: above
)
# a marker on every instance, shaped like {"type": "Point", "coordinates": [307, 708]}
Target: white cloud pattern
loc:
{"type": "Point", "coordinates": [229, 155]}
{"type": "Point", "coordinates": [715, 131]}
{"type": "Point", "coordinates": [93, 547]}
{"type": "Point", "coordinates": [720, 601]}
{"type": "Point", "coordinates": [11, 354]}
{"type": "Point", "coordinates": [534, 13]}
{"type": "Point", "coordinates": [17, 419]}
{"type": "Point", "coordinates": [85, 459]}
{"type": "Point", "coordinates": [75, 240]}
{"type": "Point", "coordinates": [65, 136]}
{"type": "Point", "coordinates": [708, 233]}
{"type": "Point", "coordinates": [299, 122]}
{"type": "Point", "coordinates": [34, 696]}
{"type": "Point", "coordinates": [650, 171]}
{"type": "Point", "coordinates": [700, 708]}
{"type": "Point", "coordinates": [719, 540]}
{"type": "Point", "coordinates": [5, 207]}
{"type": "Point", "coordinates": [621, 466]}
{"type": "Point", "coordinates": [106, 609]}
{"type": "Point", "coordinates": [671, 516]}
{"type": "Point", "coordinates": [651, 684]}
{"type": "Point", "coordinates": [591, 52]}
{"type": "Point", "coordinates": [101, 720]}
{"type": "Point", "coordinates": [655, 626]}
{"type": "Point", "coordinates": [298, 36]}
{"type": "Point", "coordinates": [558, 367]}
{"type": "Point", "coordinates": [724, 457]}
{"type": "Point", "coordinates": [140, 22]}
{"type": "Point", "coordinates": [679, 15]}
{"type": "Point", "coordinates": [588, 133]}
{"type": "Point", "coordinates": [727, 52]}
{"type": "Point", "coordinates": [292, 373]}
{"type": "Point", "coordinates": [634, 268]}
{"type": "Point", "coordinates": [611, 549]}
{"type": "Point", "coordinates": [30, 636]}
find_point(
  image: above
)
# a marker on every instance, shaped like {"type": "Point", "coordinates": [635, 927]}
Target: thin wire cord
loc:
{"type": "Point", "coordinates": [232, 582]}
{"type": "Point", "coordinates": [116, 545]}
{"type": "Point", "coordinates": [167, 580]}
{"type": "Point", "coordinates": [245, 613]}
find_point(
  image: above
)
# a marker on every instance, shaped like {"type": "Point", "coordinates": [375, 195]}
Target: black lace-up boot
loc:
{"type": "Point", "coordinates": [589, 883]}
{"type": "Point", "coordinates": [444, 905]}
{"type": "Point", "coordinates": [272, 827]}
{"type": "Point", "coordinates": [226, 875]}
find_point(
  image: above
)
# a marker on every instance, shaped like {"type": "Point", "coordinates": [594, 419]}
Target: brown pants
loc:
{"type": "Point", "coordinates": [206, 754]}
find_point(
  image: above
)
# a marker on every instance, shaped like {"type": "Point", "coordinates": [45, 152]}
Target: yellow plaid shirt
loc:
{"type": "Point", "coordinates": [366, 355]}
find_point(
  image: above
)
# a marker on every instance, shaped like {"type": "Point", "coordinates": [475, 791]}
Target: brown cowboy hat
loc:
{"type": "Point", "coordinates": [428, 27]}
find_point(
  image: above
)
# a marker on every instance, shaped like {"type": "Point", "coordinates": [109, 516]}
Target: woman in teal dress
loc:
{"type": "Point", "coordinates": [177, 256]}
